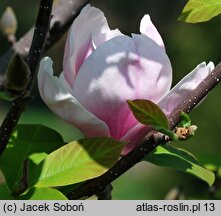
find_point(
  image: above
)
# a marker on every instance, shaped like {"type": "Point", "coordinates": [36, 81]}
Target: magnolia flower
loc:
{"type": "Point", "coordinates": [103, 68]}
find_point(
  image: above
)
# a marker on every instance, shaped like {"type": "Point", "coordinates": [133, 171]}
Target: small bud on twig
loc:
{"type": "Point", "coordinates": [17, 74]}
{"type": "Point", "coordinates": [8, 24]}
{"type": "Point", "coordinates": [185, 132]}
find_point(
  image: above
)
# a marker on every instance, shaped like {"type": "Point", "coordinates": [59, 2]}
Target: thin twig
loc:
{"type": "Point", "coordinates": [23, 182]}
{"type": "Point", "coordinates": [37, 46]}
{"type": "Point", "coordinates": [150, 141]}
{"type": "Point", "coordinates": [39, 38]}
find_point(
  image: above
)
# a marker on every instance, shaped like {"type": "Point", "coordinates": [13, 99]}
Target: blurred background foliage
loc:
{"type": "Point", "coordinates": [187, 45]}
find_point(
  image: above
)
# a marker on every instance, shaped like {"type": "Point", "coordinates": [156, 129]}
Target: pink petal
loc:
{"type": "Point", "coordinates": [120, 69]}
{"type": "Point", "coordinates": [157, 69]}
{"type": "Point", "coordinates": [56, 95]}
{"type": "Point", "coordinates": [100, 38]}
{"type": "Point", "coordinates": [88, 26]}
{"type": "Point", "coordinates": [184, 87]}
{"type": "Point", "coordinates": [147, 28]}
{"type": "Point", "coordinates": [134, 136]}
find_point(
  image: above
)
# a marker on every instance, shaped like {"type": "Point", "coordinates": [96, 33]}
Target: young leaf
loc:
{"type": "Point", "coordinates": [185, 120]}
{"type": "Point", "coordinates": [77, 161]}
{"type": "Point", "coordinates": [31, 142]}
{"type": "Point", "coordinates": [200, 10]}
{"type": "Point", "coordinates": [148, 113]}
{"type": "Point", "coordinates": [43, 194]}
{"type": "Point", "coordinates": [180, 160]}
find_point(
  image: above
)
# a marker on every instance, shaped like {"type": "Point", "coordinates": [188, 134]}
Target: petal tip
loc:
{"type": "Point", "coordinates": [211, 65]}
{"type": "Point", "coordinates": [147, 28]}
{"type": "Point", "coordinates": [46, 60]}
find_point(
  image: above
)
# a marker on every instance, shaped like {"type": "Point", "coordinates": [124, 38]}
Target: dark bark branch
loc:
{"type": "Point", "coordinates": [33, 58]}
{"type": "Point", "coordinates": [150, 141]}
{"type": "Point", "coordinates": [10, 121]}
{"type": "Point", "coordinates": [23, 182]}
{"type": "Point", "coordinates": [39, 38]}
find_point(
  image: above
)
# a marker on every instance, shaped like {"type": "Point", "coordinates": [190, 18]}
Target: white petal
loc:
{"type": "Point", "coordinates": [64, 83]}
{"type": "Point", "coordinates": [134, 136]}
{"type": "Point", "coordinates": [55, 94]}
{"type": "Point", "coordinates": [120, 69]}
{"type": "Point", "coordinates": [184, 87]}
{"type": "Point", "coordinates": [147, 28]}
{"type": "Point", "coordinates": [156, 66]}
{"type": "Point", "coordinates": [89, 30]}
{"type": "Point", "coordinates": [98, 39]}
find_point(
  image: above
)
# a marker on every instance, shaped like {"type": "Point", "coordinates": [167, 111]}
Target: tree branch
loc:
{"type": "Point", "coordinates": [33, 59]}
{"type": "Point", "coordinates": [150, 141]}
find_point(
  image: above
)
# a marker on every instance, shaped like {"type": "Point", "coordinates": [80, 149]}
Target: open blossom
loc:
{"type": "Point", "coordinates": [103, 68]}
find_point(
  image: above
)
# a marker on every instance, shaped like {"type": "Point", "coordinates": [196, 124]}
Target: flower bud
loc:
{"type": "Point", "coordinates": [104, 68]}
{"type": "Point", "coordinates": [17, 74]}
{"type": "Point", "coordinates": [8, 23]}
{"type": "Point", "coordinates": [182, 133]}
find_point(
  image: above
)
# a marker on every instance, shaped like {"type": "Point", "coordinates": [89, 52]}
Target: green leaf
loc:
{"type": "Point", "coordinates": [200, 10]}
{"type": "Point", "coordinates": [43, 194]}
{"type": "Point", "coordinates": [148, 113]}
{"type": "Point", "coordinates": [180, 160]}
{"type": "Point", "coordinates": [77, 161]}
{"type": "Point", "coordinates": [31, 142]}
{"type": "Point", "coordinates": [185, 120]}
{"type": "Point", "coordinates": [4, 193]}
